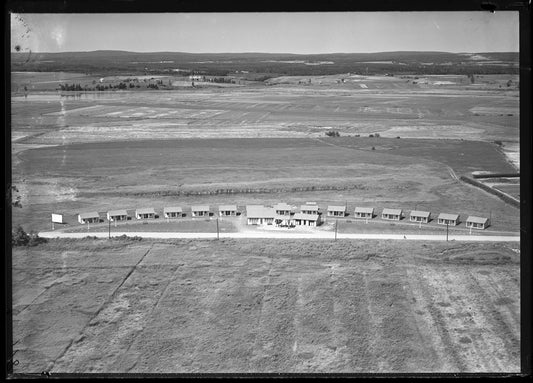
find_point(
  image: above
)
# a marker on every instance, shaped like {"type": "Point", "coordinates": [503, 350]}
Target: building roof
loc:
{"type": "Point", "coordinates": [259, 211]}
{"type": "Point", "coordinates": [309, 207]}
{"type": "Point", "coordinates": [282, 206]}
{"type": "Point", "coordinates": [172, 209]}
{"type": "Point", "coordinates": [452, 217]}
{"type": "Point", "coordinates": [337, 208]}
{"type": "Point", "coordinates": [91, 214]}
{"type": "Point", "coordinates": [309, 217]}
{"type": "Point", "coordinates": [420, 213]}
{"type": "Point", "coordinates": [117, 212]}
{"type": "Point", "coordinates": [364, 209]}
{"type": "Point", "coordinates": [145, 210]}
{"type": "Point", "coordinates": [200, 208]}
{"type": "Point", "coordinates": [227, 207]}
{"type": "Point", "coordinates": [392, 211]}
{"type": "Point", "coordinates": [477, 219]}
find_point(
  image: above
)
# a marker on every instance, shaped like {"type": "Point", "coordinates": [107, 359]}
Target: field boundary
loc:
{"type": "Point", "coordinates": [504, 197]}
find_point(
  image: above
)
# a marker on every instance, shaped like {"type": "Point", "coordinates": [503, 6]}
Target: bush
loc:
{"type": "Point", "coordinates": [397, 136]}
{"type": "Point", "coordinates": [20, 237]}
{"type": "Point", "coordinates": [498, 142]}
{"type": "Point", "coordinates": [371, 135]}
{"type": "Point", "coordinates": [373, 148]}
{"type": "Point", "coordinates": [376, 135]}
{"type": "Point", "coordinates": [332, 133]}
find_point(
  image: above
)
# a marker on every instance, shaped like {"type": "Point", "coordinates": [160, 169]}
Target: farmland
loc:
{"type": "Point", "coordinates": [266, 306]}
{"type": "Point", "coordinates": [263, 305]}
{"type": "Point", "coordinates": [74, 152]}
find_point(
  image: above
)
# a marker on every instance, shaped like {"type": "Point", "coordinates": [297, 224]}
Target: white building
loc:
{"type": "Point", "coordinates": [200, 211]}
{"type": "Point", "coordinates": [477, 222]}
{"type": "Point", "coordinates": [309, 209]}
{"type": "Point", "coordinates": [364, 212]}
{"type": "Point", "coordinates": [117, 215]}
{"type": "Point", "coordinates": [336, 211]}
{"type": "Point", "coordinates": [283, 209]}
{"type": "Point", "coordinates": [260, 215]}
{"type": "Point", "coordinates": [91, 217]}
{"type": "Point", "coordinates": [227, 210]}
{"type": "Point", "coordinates": [419, 216]}
{"type": "Point", "coordinates": [302, 219]}
{"type": "Point", "coordinates": [392, 214]}
{"type": "Point", "coordinates": [448, 219]}
{"type": "Point", "coordinates": [145, 213]}
{"type": "Point", "coordinates": [172, 212]}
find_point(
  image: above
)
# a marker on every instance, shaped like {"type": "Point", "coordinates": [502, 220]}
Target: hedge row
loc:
{"type": "Point", "coordinates": [510, 200]}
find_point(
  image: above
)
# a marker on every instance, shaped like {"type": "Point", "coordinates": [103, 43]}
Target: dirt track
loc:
{"type": "Point", "coordinates": [285, 235]}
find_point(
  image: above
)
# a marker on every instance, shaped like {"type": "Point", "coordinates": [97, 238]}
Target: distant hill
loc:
{"type": "Point", "coordinates": [105, 62]}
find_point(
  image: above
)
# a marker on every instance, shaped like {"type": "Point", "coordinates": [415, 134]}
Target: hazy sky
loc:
{"type": "Point", "coordinates": [309, 32]}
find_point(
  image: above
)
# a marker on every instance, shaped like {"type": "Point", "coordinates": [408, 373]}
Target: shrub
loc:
{"type": "Point", "coordinates": [397, 136]}
{"type": "Point", "coordinates": [36, 240]}
{"type": "Point", "coordinates": [373, 148]}
{"type": "Point", "coordinates": [20, 237]}
{"type": "Point", "coordinates": [376, 135]}
{"type": "Point", "coordinates": [371, 135]}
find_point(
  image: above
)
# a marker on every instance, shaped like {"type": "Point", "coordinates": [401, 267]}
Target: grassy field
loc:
{"type": "Point", "coordinates": [157, 173]}
{"type": "Point", "coordinates": [266, 306]}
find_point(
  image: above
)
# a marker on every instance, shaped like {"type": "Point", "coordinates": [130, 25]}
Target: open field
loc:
{"type": "Point", "coordinates": [74, 152]}
{"type": "Point", "coordinates": [159, 173]}
{"type": "Point", "coordinates": [266, 306]}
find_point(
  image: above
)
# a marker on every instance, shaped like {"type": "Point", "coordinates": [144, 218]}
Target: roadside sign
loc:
{"type": "Point", "coordinates": [57, 218]}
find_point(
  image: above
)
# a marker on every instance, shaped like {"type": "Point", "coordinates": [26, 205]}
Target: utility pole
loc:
{"type": "Point", "coordinates": [446, 231]}
{"type": "Point", "coordinates": [336, 224]}
{"type": "Point", "coordinates": [217, 230]}
{"type": "Point", "coordinates": [109, 229]}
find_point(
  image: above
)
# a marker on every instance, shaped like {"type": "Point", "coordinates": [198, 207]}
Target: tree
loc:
{"type": "Point", "coordinates": [20, 237]}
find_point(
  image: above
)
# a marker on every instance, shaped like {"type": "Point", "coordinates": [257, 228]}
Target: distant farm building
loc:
{"type": "Point", "coordinates": [364, 212]}
{"type": "Point", "coordinates": [117, 215]}
{"type": "Point", "coordinates": [92, 217]}
{"type": "Point", "coordinates": [196, 78]}
{"type": "Point", "coordinates": [282, 209]}
{"type": "Point", "coordinates": [448, 219]}
{"type": "Point", "coordinates": [260, 215]}
{"type": "Point", "coordinates": [303, 219]}
{"type": "Point", "coordinates": [172, 212]}
{"type": "Point", "coordinates": [477, 222]}
{"type": "Point", "coordinates": [227, 210]}
{"type": "Point", "coordinates": [336, 211]}
{"type": "Point", "coordinates": [419, 216]}
{"type": "Point", "coordinates": [309, 209]}
{"type": "Point", "coordinates": [200, 211]}
{"type": "Point", "coordinates": [392, 214]}
{"type": "Point", "coordinates": [145, 213]}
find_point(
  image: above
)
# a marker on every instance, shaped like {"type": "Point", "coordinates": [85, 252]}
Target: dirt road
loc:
{"type": "Point", "coordinates": [286, 235]}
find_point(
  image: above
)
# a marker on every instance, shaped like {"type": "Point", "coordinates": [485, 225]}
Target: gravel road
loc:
{"type": "Point", "coordinates": [317, 235]}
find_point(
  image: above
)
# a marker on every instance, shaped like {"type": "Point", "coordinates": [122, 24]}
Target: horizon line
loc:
{"type": "Point", "coordinates": [251, 52]}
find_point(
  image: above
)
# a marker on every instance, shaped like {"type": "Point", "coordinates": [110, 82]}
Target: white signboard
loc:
{"type": "Point", "coordinates": [57, 218]}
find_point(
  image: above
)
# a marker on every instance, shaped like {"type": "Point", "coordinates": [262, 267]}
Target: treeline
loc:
{"type": "Point", "coordinates": [99, 87]}
{"type": "Point", "coordinates": [271, 69]}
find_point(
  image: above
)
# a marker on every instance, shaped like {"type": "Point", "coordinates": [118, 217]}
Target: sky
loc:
{"type": "Point", "coordinates": [303, 32]}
